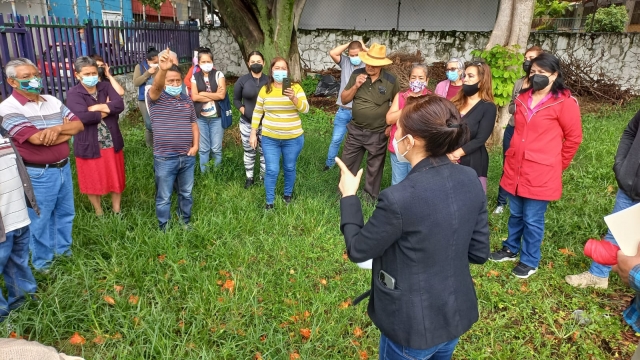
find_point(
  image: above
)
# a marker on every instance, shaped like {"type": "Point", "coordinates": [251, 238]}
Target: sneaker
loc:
{"type": "Point", "coordinates": [326, 168]}
{"type": "Point", "coordinates": [268, 207]}
{"type": "Point", "coordinates": [248, 183]}
{"type": "Point", "coordinates": [523, 271]}
{"type": "Point", "coordinates": [587, 279]}
{"type": "Point", "coordinates": [503, 255]}
{"type": "Point", "coordinates": [499, 210]}
{"type": "Point", "coordinates": [287, 199]}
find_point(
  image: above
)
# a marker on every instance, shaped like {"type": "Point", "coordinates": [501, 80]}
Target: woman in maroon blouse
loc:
{"type": "Point", "coordinates": [98, 149]}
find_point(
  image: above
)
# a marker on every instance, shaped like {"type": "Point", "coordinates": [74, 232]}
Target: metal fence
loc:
{"type": "Point", "coordinates": [557, 24]}
{"type": "Point", "coordinates": [54, 43]}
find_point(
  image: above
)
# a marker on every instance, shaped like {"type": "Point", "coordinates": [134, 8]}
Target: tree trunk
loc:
{"type": "Point", "coordinates": [268, 26]}
{"type": "Point", "coordinates": [500, 33]}
{"type": "Point", "coordinates": [521, 23]}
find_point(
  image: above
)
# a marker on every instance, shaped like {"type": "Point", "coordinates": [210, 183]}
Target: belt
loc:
{"type": "Point", "coordinates": [56, 165]}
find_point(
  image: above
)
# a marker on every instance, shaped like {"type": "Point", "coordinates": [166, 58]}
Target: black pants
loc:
{"type": "Point", "coordinates": [358, 141]}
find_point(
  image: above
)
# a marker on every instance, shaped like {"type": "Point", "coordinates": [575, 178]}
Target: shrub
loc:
{"type": "Point", "coordinates": [607, 19]}
{"type": "Point", "coordinates": [506, 68]}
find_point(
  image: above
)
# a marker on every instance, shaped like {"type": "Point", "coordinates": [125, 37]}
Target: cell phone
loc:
{"type": "Point", "coordinates": [387, 280]}
{"type": "Point", "coordinates": [286, 84]}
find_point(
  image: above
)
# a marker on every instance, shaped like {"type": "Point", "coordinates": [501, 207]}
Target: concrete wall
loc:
{"type": "Point", "coordinates": [618, 54]}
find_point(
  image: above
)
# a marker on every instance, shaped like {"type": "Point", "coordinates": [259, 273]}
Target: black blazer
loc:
{"type": "Point", "coordinates": [480, 119]}
{"type": "Point", "coordinates": [627, 160]}
{"type": "Point", "coordinates": [424, 232]}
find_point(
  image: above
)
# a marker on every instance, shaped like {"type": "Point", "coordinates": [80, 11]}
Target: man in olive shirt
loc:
{"type": "Point", "coordinates": [371, 89]}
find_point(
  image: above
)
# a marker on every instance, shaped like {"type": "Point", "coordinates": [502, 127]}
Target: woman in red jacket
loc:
{"type": "Point", "coordinates": [548, 132]}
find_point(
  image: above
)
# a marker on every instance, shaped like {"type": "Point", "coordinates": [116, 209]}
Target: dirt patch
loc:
{"type": "Point", "coordinates": [325, 103]}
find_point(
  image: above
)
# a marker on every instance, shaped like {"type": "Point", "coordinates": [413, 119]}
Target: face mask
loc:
{"type": "Point", "coordinates": [33, 85]}
{"type": "Point", "coordinates": [279, 75]}
{"type": "Point", "coordinates": [173, 90]}
{"type": "Point", "coordinates": [400, 157]}
{"type": "Point", "coordinates": [90, 81]}
{"type": "Point", "coordinates": [256, 68]}
{"type": "Point", "coordinates": [453, 75]}
{"type": "Point", "coordinates": [154, 65]}
{"type": "Point", "coordinates": [355, 60]}
{"type": "Point", "coordinates": [206, 67]}
{"type": "Point", "coordinates": [470, 90]}
{"type": "Point", "coordinates": [526, 66]}
{"type": "Point", "coordinates": [101, 73]}
{"type": "Point", "coordinates": [539, 82]}
{"type": "Point", "coordinates": [417, 86]}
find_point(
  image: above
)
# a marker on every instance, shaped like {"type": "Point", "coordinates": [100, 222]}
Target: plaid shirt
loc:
{"type": "Point", "coordinates": [632, 314]}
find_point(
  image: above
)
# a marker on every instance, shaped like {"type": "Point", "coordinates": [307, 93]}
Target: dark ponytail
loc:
{"type": "Point", "coordinates": [436, 121]}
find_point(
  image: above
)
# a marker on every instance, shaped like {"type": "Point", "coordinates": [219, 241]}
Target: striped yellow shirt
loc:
{"type": "Point", "coordinates": [281, 117]}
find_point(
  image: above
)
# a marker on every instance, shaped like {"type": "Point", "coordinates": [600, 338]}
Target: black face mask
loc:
{"type": "Point", "coordinates": [101, 73]}
{"type": "Point", "coordinates": [526, 66]}
{"type": "Point", "coordinates": [538, 82]}
{"type": "Point", "coordinates": [256, 68]}
{"type": "Point", "coordinates": [470, 90]}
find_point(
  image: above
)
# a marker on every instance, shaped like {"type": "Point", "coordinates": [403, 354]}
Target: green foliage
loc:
{"type": "Point", "coordinates": [506, 68]}
{"type": "Point", "coordinates": [551, 8]}
{"type": "Point", "coordinates": [608, 19]}
{"type": "Point", "coordinates": [288, 261]}
{"type": "Point", "coordinates": [154, 4]}
{"type": "Point", "coordinates": [309, 85]}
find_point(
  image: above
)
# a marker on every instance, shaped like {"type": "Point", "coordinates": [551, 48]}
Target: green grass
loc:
{"type": "Point", "coordinates": [289, 261]}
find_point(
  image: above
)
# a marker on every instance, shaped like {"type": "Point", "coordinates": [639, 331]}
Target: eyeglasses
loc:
{"type": "Point", "coordinates": [452, 69]}
{"type": "Point", "coordinates": [478, 63]}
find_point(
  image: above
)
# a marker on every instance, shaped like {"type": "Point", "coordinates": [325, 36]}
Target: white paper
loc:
{"type": "Point", "coordinates": [625, 227]}
{"type": "Point", "coordinates": [366, 265]}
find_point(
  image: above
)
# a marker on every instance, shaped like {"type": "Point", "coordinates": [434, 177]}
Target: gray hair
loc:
{"type": "Point", "coordinates": [10, 68]}
{"type": "Point", "coordinates": [82, 62]}
{"type": "Point", "coordinates": [424, 68]}
{"type": "Point", "coordinates": [458, 60]}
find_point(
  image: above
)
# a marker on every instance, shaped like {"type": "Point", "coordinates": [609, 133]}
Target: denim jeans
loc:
{"type": "Point", "coordinates": [389, 350]}
{"type": "Point", "coordinates": [211, 133]}
{"type": "Point", "coordinates": [289, 149]}
{"type": "Point", "coordinates": [506, 143]}
{"type": "Point", "coordinates": [177, 169]}
{"type": "Point", "coordinates": [622, 202]}
{"type": "Point", "coordinates": [51, 231]}
{"type": "Point", "coordinates": [342, 118]}
{"type": "Point", "coordinates": [399, 170]}
{"type": "Point", "coordinates": [526, 228]}
{"type": "Point", "coordinates": [14, 264]}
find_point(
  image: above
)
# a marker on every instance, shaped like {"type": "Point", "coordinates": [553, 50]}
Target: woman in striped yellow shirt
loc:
{"type": "Point", "coordinates": [282, 133]}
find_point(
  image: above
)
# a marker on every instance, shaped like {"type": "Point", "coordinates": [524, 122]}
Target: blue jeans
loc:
{"type": "Point", "coordinates": [389, 350]}
{"type": "Point", "coordinates": [622, 202]}
{"type": "Point", "coordinates": [526, 228]}
{"type": "Point", "coordinates": [14, 264]}
{"type": "Point", "coordinates": [211, 133]}
{"type": "Point", "coordinates": [177, 169]}
{"type": "Point", "coordinates": [506, 143]}
{"type": "Point", "coordinates": [399, 170]}
{"type": "Point", "coordinates": [289, 150]}
{"type": "Point", "coordinates": [343, 116]}
{"type": "Point", "coordinates": [51, 231]}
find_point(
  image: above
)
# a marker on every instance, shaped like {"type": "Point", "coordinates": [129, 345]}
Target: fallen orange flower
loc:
{"type": "Point", "coordinates": [228, 285]}
{"type": "Point", "coordinates": [77, 339]}
{"type": "Point", "coordinates": [305, 333]}
{"type": "Point", "coordinates": [133, 300]}
{"type": "Point", "coordinates": [109, 300]}
{"type": "Point", "coordinates": [357, 332]}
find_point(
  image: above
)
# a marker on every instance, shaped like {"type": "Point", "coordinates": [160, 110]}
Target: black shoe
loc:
{"type": "Point", "coordinates": [248, 183]}
{"type": "Point", "coordinates": [268, 207]}
{"type": "Point", "coordinates": [326, 168]}
{"type": "Point", "coordinates": [523, 271]}
{"type": "Point", "coordinates": [287, 199]}
{"type": "Point", "coordinates": [503, 255]}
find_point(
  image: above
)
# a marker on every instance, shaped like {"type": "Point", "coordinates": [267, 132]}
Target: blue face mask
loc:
{"type": "Point", "coordinates": [453, 75]}
{"type": "Point", "coordinates": [90, 81]}
{"type": "Point", "coordinates": [278, 75]}
{"type": "Point", "coordinates": [173, 90]}
{"type": "Point", "coordinates": [355, 60]}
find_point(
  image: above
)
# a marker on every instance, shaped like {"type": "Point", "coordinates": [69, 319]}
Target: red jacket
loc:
{"type": "Point", "coordinates": [543, 147]}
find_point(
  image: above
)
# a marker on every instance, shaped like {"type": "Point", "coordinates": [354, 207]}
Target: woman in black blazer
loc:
{"type": "Point", "coordinates": [422, 236]}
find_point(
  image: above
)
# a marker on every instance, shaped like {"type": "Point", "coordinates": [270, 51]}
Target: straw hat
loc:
{"type": "Point", "coordinates": [376, 56]}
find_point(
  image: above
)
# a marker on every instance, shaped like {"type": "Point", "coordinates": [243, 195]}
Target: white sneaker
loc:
{"type": "Point", "coordinates": [586, 279]}
{"type": "Point", "coordinates": [499, 210]}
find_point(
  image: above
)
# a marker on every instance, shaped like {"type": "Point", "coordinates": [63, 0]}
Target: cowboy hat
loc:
{"type": "Point", "coordinates": [376, 56]}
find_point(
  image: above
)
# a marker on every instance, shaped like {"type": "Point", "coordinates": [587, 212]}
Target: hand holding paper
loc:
{"type": "Point", "coordinates": [625, 227]}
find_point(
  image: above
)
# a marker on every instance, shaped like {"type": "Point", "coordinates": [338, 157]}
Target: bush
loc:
{"type": "Point", "coordinates": [608, 19]}
{"type": "Point", "coordinates": [506, 68]}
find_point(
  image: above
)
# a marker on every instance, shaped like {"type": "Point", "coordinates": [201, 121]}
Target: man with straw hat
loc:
{"type": "Point", "coordinates": [371, 89]}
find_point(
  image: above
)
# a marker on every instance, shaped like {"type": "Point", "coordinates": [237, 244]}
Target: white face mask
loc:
{"type": "Point", "coordinates": [400, 157]}
{"type": "Point", "coordinates": [206, 67]}
{"type": "Point", "coordinates": [154, 65]}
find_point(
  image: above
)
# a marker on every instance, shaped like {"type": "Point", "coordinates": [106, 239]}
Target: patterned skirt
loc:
{"type": "Point", "coordinates": [103, 175]}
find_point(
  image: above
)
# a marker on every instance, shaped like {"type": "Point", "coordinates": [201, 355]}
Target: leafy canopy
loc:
{"type": "Point", "coordinates": [551, 8]}
{"type": "Point", "coordinates": [506, 68]}
{"type": "Point", "coordinates": [608, 19]}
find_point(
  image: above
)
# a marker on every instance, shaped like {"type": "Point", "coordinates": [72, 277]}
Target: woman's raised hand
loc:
{"type": "Point", "coordinates": [349, 183]}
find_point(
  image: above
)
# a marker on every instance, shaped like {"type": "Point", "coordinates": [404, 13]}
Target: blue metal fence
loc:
{"type": "Point", "coordinates": [54, 43]}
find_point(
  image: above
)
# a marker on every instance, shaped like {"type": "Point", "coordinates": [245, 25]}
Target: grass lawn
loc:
{"type": "Point", "coordinates": [245, 284]}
